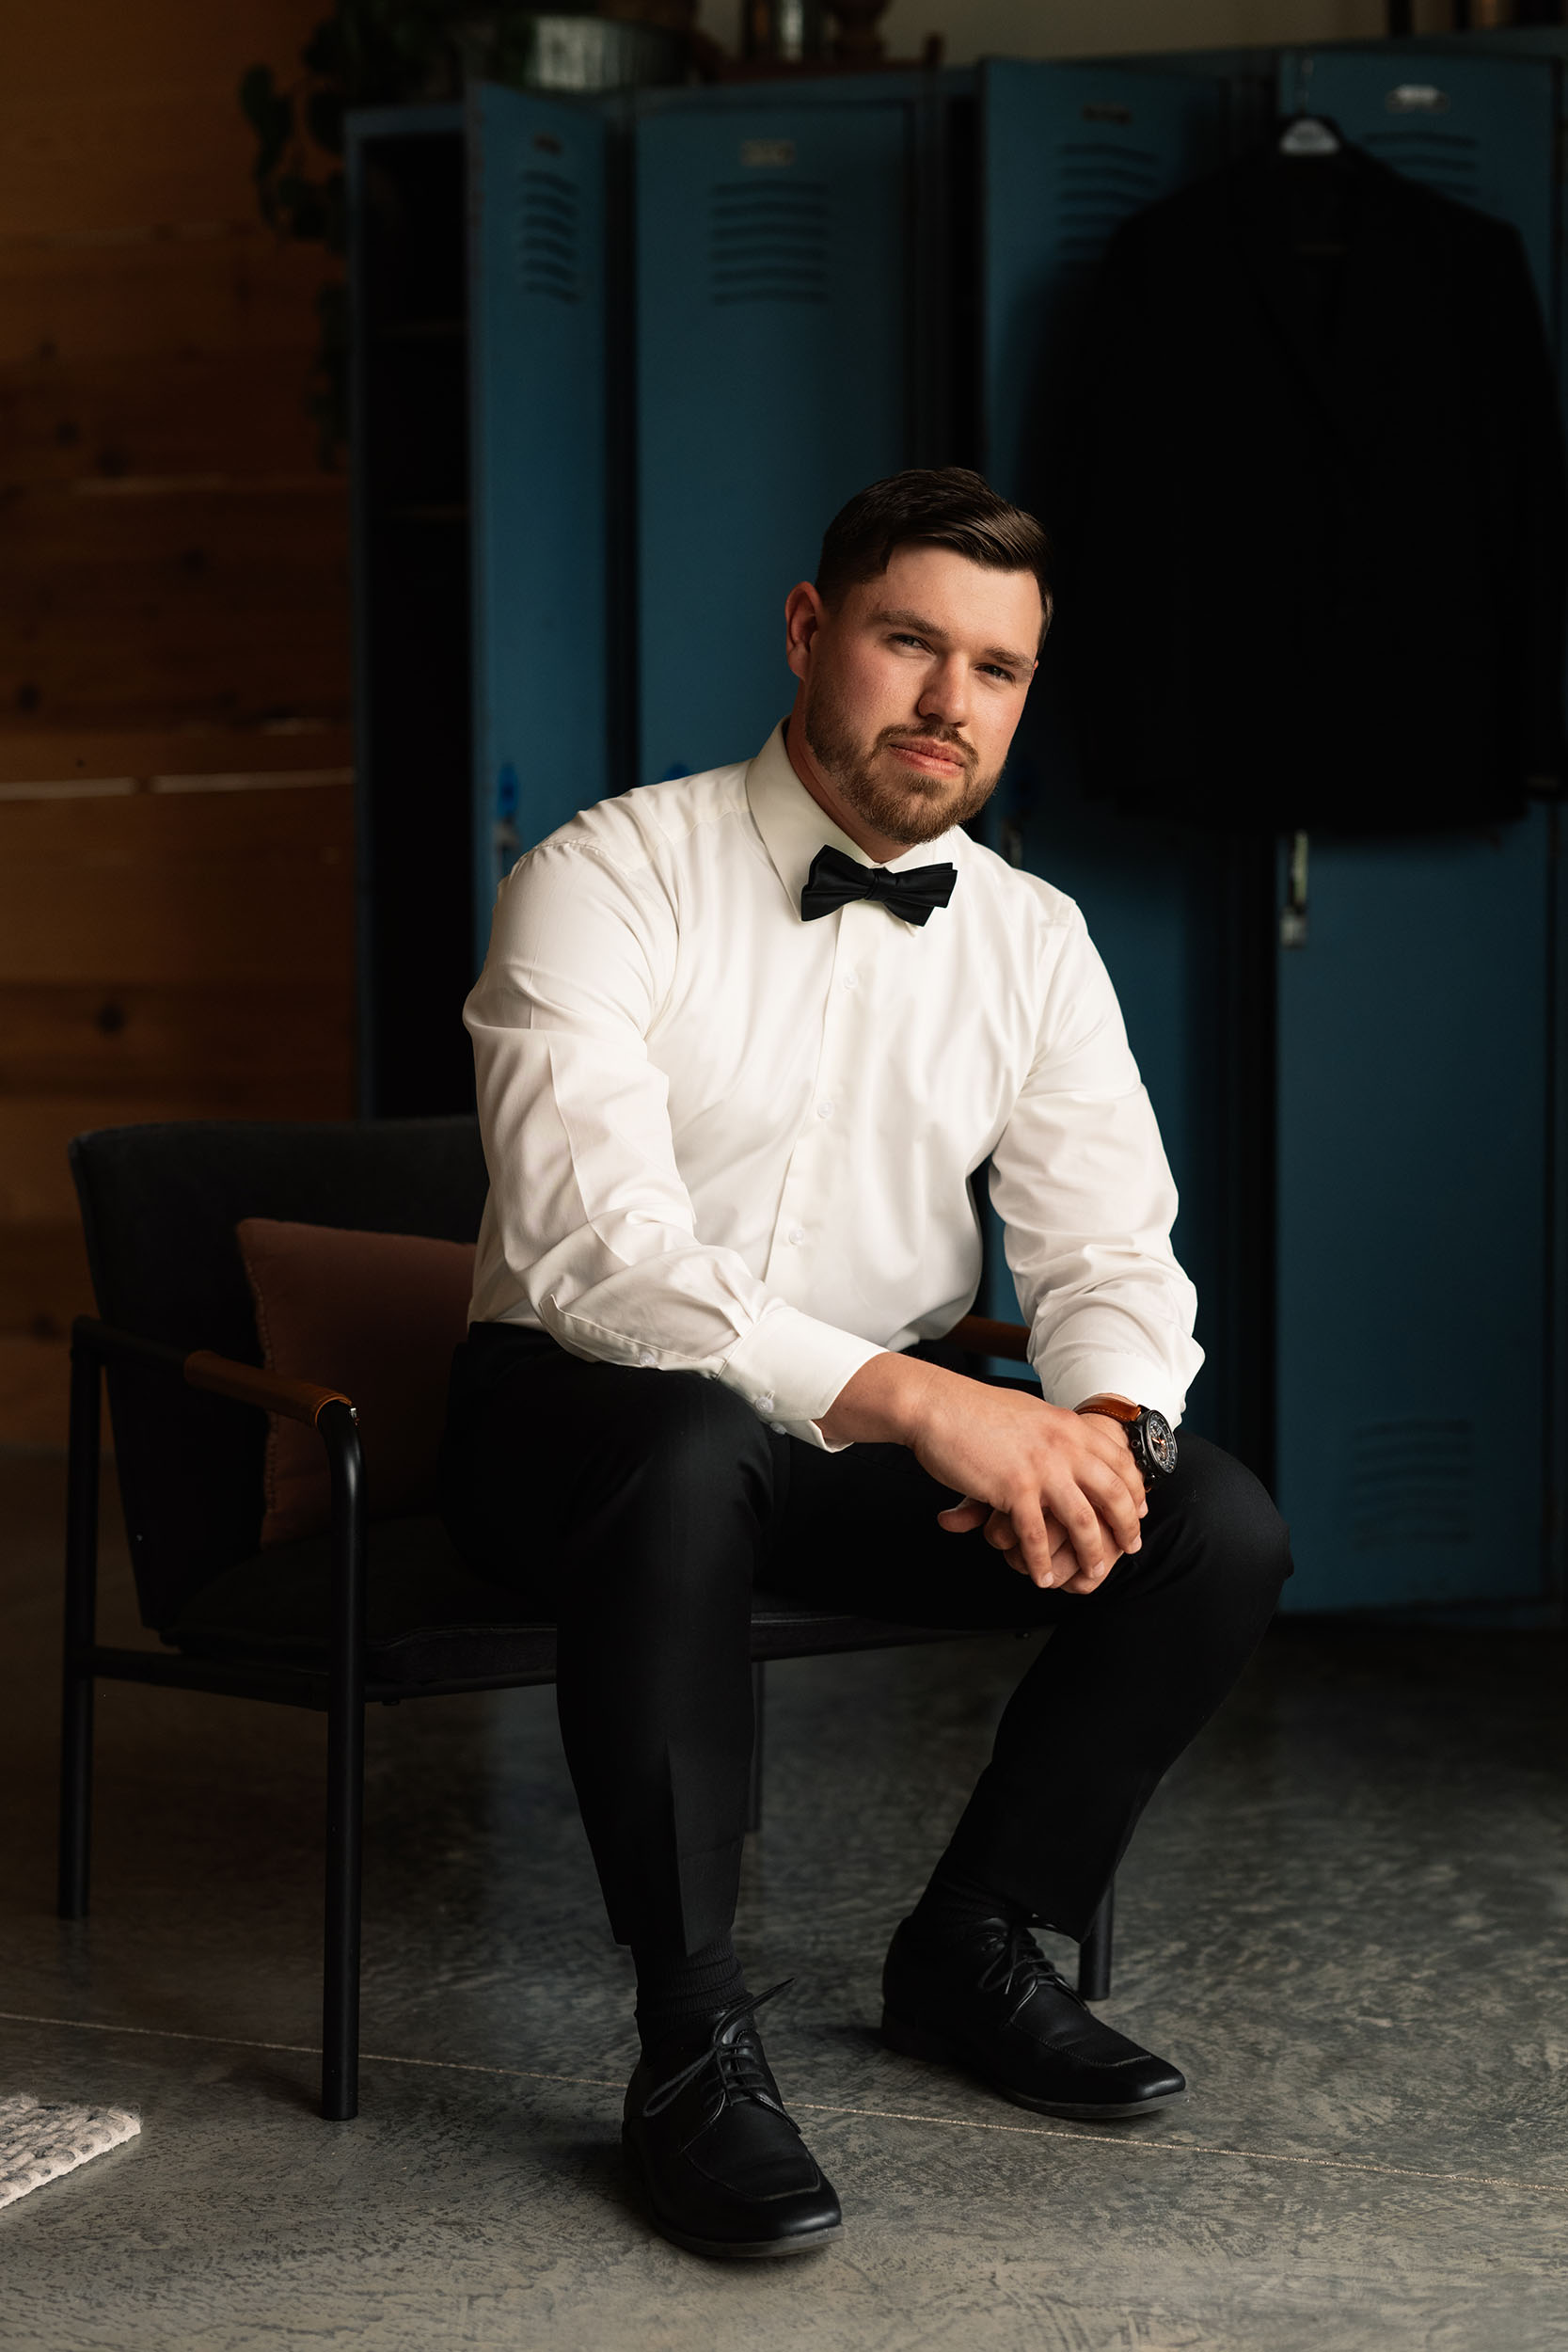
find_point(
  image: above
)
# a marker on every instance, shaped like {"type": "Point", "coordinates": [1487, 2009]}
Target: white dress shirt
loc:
{"type": "Point", "coordinates": [724, 1140]}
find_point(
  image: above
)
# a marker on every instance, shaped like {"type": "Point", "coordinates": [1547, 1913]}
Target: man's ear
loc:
{"type": "Point", "coordinates": [804, 614]}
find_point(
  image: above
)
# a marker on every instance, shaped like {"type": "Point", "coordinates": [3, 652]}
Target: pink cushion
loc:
{"type": "Point", "coordinates": [377, 1315]}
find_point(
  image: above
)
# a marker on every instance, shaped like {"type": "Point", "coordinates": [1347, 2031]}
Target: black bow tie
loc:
{"type": "Point", "coordinates": [835, 879]}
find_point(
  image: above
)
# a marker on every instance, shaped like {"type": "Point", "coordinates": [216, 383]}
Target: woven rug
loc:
{"type": "Point", "coordinates": [37, 2144]}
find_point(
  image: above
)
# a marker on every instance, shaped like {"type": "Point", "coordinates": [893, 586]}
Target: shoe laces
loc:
{"type": "Point", "coordinates": [1020, 1966]}
{"type": "Point", "coordinates": [738, 2063]}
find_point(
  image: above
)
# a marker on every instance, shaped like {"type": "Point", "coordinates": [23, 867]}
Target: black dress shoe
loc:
{"type": "Point", "coordinates": [725, 2168]}
{"type": "Point", "coordinates": [997, 2006]}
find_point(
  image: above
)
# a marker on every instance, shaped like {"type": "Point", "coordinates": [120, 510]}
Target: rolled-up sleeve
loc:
{"type": "Point", "coordinates": [1081, 1183]}
{"type": "Point", "coordinates": [593, 1226]}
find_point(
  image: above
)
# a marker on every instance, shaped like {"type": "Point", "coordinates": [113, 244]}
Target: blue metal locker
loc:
{"type": "Point", "coordinates": [538, 466]}
{"type": "Point", "coordinates": [1481, 129]}
{"type": "Point", "coordinates": [772, 364]}
{"type": "Point", "coordinates": [1415, 1085]}
{"type": "Point", "coordinates": [1068, 153]}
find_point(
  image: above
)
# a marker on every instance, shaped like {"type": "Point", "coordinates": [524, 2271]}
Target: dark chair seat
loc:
{"type": "Point", "coordinates": [430, 1620]}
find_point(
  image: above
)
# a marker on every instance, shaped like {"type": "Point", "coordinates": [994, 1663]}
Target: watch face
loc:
{"type": "Point", "coordinates": [1161, 1441]}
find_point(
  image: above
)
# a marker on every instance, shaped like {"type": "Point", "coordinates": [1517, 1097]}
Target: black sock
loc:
{"type": "Point", "coordinates": [679, 1994]}
{"type": "Point", "coordinates": [956, 1909]}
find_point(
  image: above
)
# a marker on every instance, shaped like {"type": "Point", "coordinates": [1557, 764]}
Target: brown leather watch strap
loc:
{"type": "Point", "coordinates": [1115, 1407]}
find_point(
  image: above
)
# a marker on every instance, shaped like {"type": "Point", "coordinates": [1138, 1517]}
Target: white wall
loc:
{"type": "Point", "coordinates": [1076, 28]}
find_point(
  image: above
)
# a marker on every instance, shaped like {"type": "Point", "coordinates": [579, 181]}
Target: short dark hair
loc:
{"type": "Point", "coordinates": [939, 506]}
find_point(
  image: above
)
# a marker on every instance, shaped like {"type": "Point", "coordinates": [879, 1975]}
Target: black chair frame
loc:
{"type": "Point", "coordinates": [344, 1689]}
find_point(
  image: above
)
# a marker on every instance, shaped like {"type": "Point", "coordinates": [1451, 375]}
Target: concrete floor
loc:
{"type": "Point", "coordinates": [1344, 1917]}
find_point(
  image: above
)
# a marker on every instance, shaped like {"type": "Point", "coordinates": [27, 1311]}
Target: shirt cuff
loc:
{"type": "Point", "coordinates": [1069, 1379]}
{"type": "Point", "coordinates": [789, 1368]}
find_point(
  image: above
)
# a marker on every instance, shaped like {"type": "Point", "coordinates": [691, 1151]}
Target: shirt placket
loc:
{"type": "Point", "coordinates": [809, 1176]}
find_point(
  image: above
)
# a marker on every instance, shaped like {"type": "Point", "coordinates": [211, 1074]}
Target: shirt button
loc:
{"type": "Point", "coordinates": [797, 1235]}
{"type": "Point", "coordinates": [824, 1110]}
{"type": "Point", "coordinates": [778, 1428]}
{"type": "Point", "coordinates": [764, 1404]}
{"type": "Point", "coordinates": [852, 979]}
{"type": "Point", "coordinates": [647, 1359]}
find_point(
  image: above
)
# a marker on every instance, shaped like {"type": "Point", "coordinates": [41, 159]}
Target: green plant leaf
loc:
{"type": "Point", "coordinates": [271, 115]}
{"type": "Point", "coordinates": [361, 53]}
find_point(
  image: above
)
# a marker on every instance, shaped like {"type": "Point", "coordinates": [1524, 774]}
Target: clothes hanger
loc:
{"type": "Point", "coordinates": [1307, 133]}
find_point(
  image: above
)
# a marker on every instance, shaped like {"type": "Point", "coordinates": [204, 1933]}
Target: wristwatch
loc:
{"type": "Point", "coordinates": [1149, 1435]}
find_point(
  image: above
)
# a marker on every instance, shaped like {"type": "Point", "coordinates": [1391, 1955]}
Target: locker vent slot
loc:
{"type": "Point", "coordinates": [1445, 161]}
{"type": "Point", "coordinates": [768, 241]}
{"type": "Point", "coordinates": [549, 248]}
{"type": "Point", "coordinates": [1412, 1482]}
{"type": "Point", "coordinates": [1099, 184]}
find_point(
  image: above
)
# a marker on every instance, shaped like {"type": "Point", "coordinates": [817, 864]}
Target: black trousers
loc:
{"type": "Point", "coordinates": [637, 1507]}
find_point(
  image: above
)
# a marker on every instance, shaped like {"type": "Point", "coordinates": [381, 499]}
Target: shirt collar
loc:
{"type": "Point", "coordinates": [793, 826]}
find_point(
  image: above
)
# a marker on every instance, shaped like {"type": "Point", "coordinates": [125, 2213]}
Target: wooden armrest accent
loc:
{"type": "Point", "coordinates": [297, 1400]}
{"type": "Point", "coordinates": [978, 1335]}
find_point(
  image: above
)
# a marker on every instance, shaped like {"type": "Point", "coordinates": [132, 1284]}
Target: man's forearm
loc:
{"type": "Point", "coordinates": [891, 1398]}
{"type": "Point", "coordinates": [888, 1402]}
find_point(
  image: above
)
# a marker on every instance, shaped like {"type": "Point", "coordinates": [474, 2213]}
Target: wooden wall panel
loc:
{"type": "Point", "coordinates": [171, 44]}
{"type": "Point", "coordinates": [176, 889]}
{"type": "Point", "coordinates": [175, 941]}
{"type": "Point", "coordinates": [98, 159]}
{"type": "Point", "coordinates": [155, 293]}
{"type": "Point", "coordinates": [116, 1042]}
{"type": "Point", "coordinates": [226, 602]}
{"type": "Point", "coordinates": [151, 830]}
{"type": "Point", "coordinates": [115, 113]}
{"type": "Point", "coordinates": [92, 762]}
{"type": "Point", "coordinates": [105, 417]}
{"type": "Point", "coordinates": [43, 1279]}
{"type": "Point", "coordinates": [34, 1390]}
{"type": "Point", "coordinates": [163, 955]}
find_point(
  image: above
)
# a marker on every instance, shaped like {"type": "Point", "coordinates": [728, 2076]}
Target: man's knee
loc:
{"type": "Point", "coordinates": [678, 1481]}
{"type": "Point", "coordinates": [1229, 1520]}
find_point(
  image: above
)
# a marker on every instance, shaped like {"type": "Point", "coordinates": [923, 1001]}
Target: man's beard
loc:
{"type": "Point", "coordinates": [913, 810]}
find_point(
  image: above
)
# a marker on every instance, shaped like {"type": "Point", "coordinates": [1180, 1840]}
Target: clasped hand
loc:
{"type": "Point", "coordinates": [1058, 1493]}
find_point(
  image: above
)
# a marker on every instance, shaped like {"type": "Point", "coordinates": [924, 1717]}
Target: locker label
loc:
{"type": "Point", "coordinates": [1417, 98]}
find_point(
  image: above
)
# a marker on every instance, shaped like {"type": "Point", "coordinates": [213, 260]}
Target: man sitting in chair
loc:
{"type": "Point", "coordinates": [742, 1040]}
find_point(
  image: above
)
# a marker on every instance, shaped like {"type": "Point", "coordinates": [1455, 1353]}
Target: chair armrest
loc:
{"type": "Point", "coordinates": [978, 1335]}
{"type": "Point", "coordinates": [199, 1368]}
{"type": "Point", "coordinates": [297, 1400]}
{"type": "Point", "coordinates": [333, 1417]}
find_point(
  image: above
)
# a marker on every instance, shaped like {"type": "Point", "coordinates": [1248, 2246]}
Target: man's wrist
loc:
{"type": "Point", "coordinates": [1149, 1434]}
{"type": "Point", "coordinates": [889, 1400]}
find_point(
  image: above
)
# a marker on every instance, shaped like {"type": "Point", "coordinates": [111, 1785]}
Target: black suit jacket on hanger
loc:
{"type": "Point", "coordinates": [1314, 509]}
